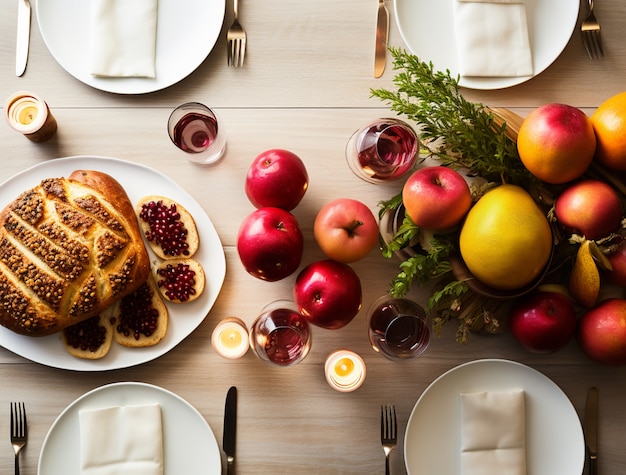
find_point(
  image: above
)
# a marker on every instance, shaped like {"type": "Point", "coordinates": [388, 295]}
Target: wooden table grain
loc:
{"type": "Point", "coordinates": [305, 87]}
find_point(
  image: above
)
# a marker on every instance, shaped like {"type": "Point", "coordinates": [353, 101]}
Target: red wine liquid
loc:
{"type": "Point", "coordinates": [195, 132]}
{"type": "Point", "coordinates": [284, 345]}
{"type": "Point", "coordinates": [386, 150]}
{"type": "Point", "coordinates": [399, 334]}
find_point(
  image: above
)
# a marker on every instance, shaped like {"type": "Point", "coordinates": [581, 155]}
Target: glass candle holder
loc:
{"type": "Point", "coordinates": [382, 151]}
{"type": "Point", "coordinates": [344, 370]}
{"type": "Point", "coordinates": [29, 114]}
{"type": "Point", "coordinates": [398, 328]}
{"type": "Point", "coordinates": [194, 128]}
{"type": "Point", "coordinates": [230, 338]}
{"type": "Point", "coordinates": [280, 335]}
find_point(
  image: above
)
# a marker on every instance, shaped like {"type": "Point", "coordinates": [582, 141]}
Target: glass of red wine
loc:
{"type": "Point", "coordinates": [194, 129]}
{"type": "Point", "coordinates": [383, 150]}
{"type": "Point", "coordinates": [280, 335]}
{"type": "Point", "coordinates": [398, 328]}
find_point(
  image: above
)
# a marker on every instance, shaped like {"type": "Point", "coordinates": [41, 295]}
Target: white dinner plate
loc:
{"type": "Point", "coordinates": [189, 445]}
{"type": "Point", "coordinates": [554, 436]}
{"type": "Point", "coordinates": [187, 30]}
{"type": "Point", "coordinates": [138, 181]}
{"type": "Point", "coordinates": [427, 27]}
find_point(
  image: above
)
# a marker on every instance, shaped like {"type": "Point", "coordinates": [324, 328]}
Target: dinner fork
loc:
{"type": "Point", "coordinates": [236, 37]}
{"type": "Point", "coordinates": [19, 431]}
{"type": "Point", "coordinates": [591, 34]}
{"type": "Point", "coordinates": [388, 431]}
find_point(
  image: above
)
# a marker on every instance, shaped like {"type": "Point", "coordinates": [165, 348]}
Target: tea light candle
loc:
{"type": "Point", "coordinates": [345, 370]}
{"type": "Point", "coordinates": [230, 338]}
{"type": "Point", "coordinates": [29, 114]}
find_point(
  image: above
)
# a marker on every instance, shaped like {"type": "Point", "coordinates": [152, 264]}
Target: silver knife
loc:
{"type": "Point", "coordinates": [230, 429]}
{"type": "Point", "coordinates": [23, 36]}
{"type": "Point", "coordinates": [382, 35]}
{"type": "Point", "coordinates": [591, 429]}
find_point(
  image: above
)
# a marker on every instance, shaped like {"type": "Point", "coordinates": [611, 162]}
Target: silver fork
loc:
{"type": "Point", "coordinates": [591, 34]}
{"type": "Point", "coordinates": [388, 431]}
{"type": "Point", "coordinates": [236, 37]}
{"type": "Point", "coordinates": [19, 431]}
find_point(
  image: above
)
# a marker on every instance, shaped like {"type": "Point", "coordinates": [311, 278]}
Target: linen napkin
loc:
{"type": "Point", "coordinates": [492, 38]}
{"type": "Point", "coordinates": [123, 38]}
{"type": "Point", "coordinates": [493, 434]}
{"type": "Point", "coordinates": [121, 440]}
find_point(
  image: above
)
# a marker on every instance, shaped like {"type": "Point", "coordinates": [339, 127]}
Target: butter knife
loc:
{"type": "Point", "coordinates": [382, 35]}
{"type": "Point", "coordinates": [591, 429]}
{"type": "Point", "coordinates": [23, 36]}
{"type": "Point", "coordinates": [230, 429]}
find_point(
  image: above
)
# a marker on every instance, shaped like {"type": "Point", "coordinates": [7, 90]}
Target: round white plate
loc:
{"type": "Point", "coordinates": [187, 30]}
{"type": "Point", "coordinates": [427, 27]}
{"type": "Point", "coordinates": [139, 181]}
{"type": "Point", "coordinates": [189, 445]}
{"type": "Point", "coordinates": [554, 436]}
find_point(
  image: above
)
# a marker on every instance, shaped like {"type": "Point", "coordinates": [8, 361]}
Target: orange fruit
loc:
{"type": "Point", "coordinates": [506, 240]}
{"type": "Point", "coordinates": [609, 125]}
{"type": "Point", "coordinates": [556, 143]}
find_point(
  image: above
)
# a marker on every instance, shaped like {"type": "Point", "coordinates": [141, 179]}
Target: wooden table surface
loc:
{"type": "Point", "coordinates": [305, 87]}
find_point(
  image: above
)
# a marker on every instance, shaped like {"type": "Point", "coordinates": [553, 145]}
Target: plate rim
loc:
{"type": "Point", "coordinates": [120, 386]}
{"type": "Point", "coordinates": [496, 82]}
{"type": "Point", "coordinates": [140, 355]}
{"type": "Point", "coordinates": [504, 362]}
{"type": "Point", "coordinates": [138, 85]}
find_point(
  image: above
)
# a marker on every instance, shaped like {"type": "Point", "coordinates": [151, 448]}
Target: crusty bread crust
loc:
{"type": "Point", "coordinates": [143, 340]}
{"type": "Point", "coordinates": [69, 249]}
{"type": "Point", "coordinates": [200, 278]}
{"type": "Point", "coordinates": [193, 239]}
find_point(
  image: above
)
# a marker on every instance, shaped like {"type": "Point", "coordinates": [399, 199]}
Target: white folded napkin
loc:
{"type": "Point", "coordinates": [493, 434]}
{"type": "Point", "coordinates": [123, 38]}
{"type": "Point", "coordinates": [121, 440]}
{"type": "Point", "coordinates": [492, 38]}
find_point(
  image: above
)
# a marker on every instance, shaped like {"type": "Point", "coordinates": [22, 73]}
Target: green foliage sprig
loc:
{"type": "Point", "coordinates": [462, 134]}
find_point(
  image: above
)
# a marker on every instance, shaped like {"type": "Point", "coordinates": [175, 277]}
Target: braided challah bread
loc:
{"type": "Point", "coordinates": [69, 248]}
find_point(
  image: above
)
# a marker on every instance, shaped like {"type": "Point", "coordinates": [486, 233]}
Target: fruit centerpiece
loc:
{"type": "Point", "coordinates": [543, 210]}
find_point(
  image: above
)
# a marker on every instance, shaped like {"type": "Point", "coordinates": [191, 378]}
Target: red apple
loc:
{"type": "Point", "coordinates": [276, 178]}
{"type": "Point", "coordinates": [543, 323]}
{"type": "Point", "coordinates": [328, 293]}
{"type": "Point", "coordinates": [346, 230]}
{"type": "Point", "coordinates": [591, 208]}
{"type": "Point", "coordinates": [556, 143]}
{"type": "Point", "coordinates": [602, 333]}
{"type": "Point", "coordinates": [436, 198]}
{"type": "Point", "coordinates": [617, 275]}
{"type": "Point", "coordinates": [270, 244]}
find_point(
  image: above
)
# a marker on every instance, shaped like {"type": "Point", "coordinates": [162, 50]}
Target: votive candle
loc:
{"type": "Point", "coordinates": [345, 370]}
{"type": "Point", "coordinates": [230, 338]}
{"type": "Point", "coordinates": [29, 114]}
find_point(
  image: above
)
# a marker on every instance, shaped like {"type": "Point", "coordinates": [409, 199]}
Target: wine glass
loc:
{"type": "Point", "coordinates": [280, 335]}
{"type": "Point", "coordinates": [382, 151]}
{"type": "Point", "coordinates": [398, 328]}
{"type": "Point", "coordinates": [193, 128]}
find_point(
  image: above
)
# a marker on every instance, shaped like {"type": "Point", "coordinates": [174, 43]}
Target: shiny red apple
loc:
{"type": "Point", "coordinates": [590, 208]}
{"type": "Point", "coordinates": [544, 322]}
{"type": "Point", "coordinates": [436, 198]}
{"type": "Point", "coordinates": [346, 230]}
{"type": "Point", "coordinates": [602, 333]}
{"type": "Point", "coordinates": [270, 244]}
{"type": "Point", "coordinates": [328, 293]}
{"type": "Point", "coordinates": [617, 275]}
{"type": "Point", "coordinates": [276, 178]}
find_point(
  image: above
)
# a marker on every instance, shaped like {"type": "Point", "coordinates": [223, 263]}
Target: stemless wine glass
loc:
{"type": "Point", "coordinates": [382, 151]}
{"type": "Point", "coordinates": [398, 328]}
{"type": "Point", "coordinates": [280, 335]}
{"type": "Point", "coordinates": [193, 128]}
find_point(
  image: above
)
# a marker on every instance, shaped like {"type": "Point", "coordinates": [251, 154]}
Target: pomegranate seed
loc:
{"type": "Point", "coordinates": [178, 282]}
{"type": "Point", "coordinates": [166, 228]}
